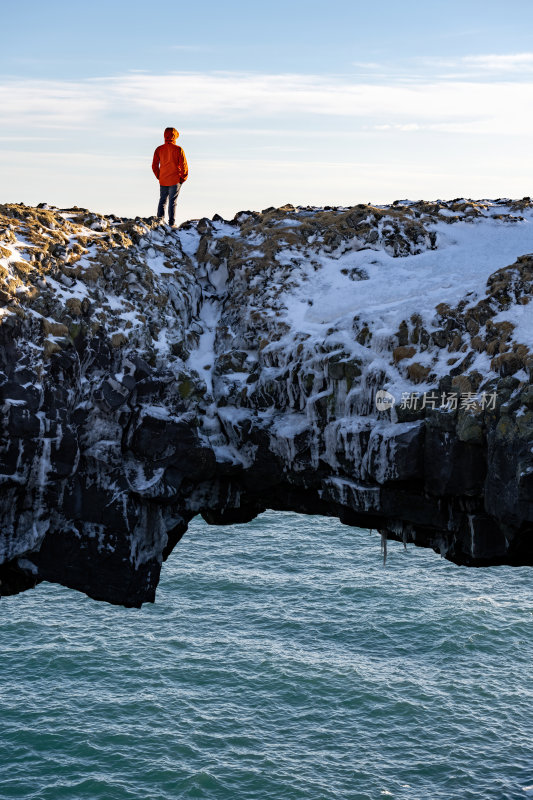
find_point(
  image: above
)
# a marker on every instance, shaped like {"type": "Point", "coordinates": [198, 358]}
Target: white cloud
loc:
{"type": "Point", "coordinates": [21, 138]}
{"type": "Point", "coordinates": [485, 67]}
{"type": "Point", "coordinates": [50, 103]}
{"type": "Point", "coordinates": [501, 63]}
{"type": "Point", "coordinates": [378, 140]}
{"type": "Point", "coordinates": [479, 107]}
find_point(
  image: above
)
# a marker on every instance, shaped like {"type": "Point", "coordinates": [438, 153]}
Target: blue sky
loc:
{"type": "Point", "coordinates": [302, 102]}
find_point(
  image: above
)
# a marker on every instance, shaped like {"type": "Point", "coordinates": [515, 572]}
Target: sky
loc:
{"type": "Point", "coordinates": [310, 103]}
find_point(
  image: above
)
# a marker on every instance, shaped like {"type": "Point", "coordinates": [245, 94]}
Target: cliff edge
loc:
{"type": "Point", "coordinates": [368, 363]}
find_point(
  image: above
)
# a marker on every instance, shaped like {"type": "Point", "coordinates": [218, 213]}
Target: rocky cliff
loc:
{"type": "Point", "coordinates": [368, 363]}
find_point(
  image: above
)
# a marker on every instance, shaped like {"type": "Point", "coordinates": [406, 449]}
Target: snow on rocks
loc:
{"type": "Point", "coordinates": [371, 362]}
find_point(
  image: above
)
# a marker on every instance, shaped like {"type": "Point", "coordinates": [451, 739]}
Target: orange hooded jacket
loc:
{"type": "Point", "coordinates": [169, 164]}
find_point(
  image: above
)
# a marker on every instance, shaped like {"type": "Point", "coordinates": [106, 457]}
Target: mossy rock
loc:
{"type": "Point", "coordinates": [363, 336]}
{"type": "Point", "coordinates": [524, 423]}
{"type": "Point", "coordinates": [50, 347]}
{"type": "Point", "coordinates": [470, 428]}
{"type": "Point", "coordinates": [403, 334]}
{"type": "Point", "coordinates": [506, 428]}
{"type": "Point", "coordinates": [180, 350]}
{"type": "Point", "coordinates": [232, 361]}
{"type": "Point", "coordinates": [54, 328]}
{"type": "Point", "coordinates": [527, 397]}
{"type": "Point", "coordinates": [461, 384]}
{"type": "Point", "coordinates": [403, 351]}
{"type": "Point", "coordinates": [74, 330]}
{"type": "Point", "coordinates": [506, 364]}
{"type": "Point", "coordinates": [118, 339]}
{"type": "Point", "coordinates": [353, 368]}
{"type": "Point", "coordinates": [185, 388]}
{"type": "Point", "coordinates": [417, 372]}
{"type": "Point", "coordinates": [74, 307]}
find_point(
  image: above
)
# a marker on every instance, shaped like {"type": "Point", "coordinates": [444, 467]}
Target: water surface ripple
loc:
{"type": "Point", "coordinates": [281, 661]}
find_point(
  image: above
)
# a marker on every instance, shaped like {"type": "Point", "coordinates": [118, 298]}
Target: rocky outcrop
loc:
{"type": "Point", "coordinates": [368, 363]}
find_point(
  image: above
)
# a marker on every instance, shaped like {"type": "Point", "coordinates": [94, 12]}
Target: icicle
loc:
{"type": "Point", "coordinates": [404, 539]}
{"type": "Point", "coordinates": [384, 547]}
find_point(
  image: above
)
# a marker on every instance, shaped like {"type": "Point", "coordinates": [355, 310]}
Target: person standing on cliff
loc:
{"type": "Point", "coordinates": [169, 166]}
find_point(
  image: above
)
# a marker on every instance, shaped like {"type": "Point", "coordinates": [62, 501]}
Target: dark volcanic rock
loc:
{"type": "Point", "coordinates": [148, 375]}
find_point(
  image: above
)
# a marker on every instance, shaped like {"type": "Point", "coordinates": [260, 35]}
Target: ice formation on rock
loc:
{"type": "Point", "coordinates": [368, 363]}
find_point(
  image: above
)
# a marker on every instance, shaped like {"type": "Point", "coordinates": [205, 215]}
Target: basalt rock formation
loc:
{"type": "Point", "coordinates": [368, 363]}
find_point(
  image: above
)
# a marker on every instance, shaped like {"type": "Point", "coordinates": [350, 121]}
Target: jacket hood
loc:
{"type": "Point", "coordinates": [171, 135]}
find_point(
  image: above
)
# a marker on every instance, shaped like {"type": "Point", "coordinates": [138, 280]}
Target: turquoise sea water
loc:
{"type": "Point", "coordinates": [281, 661]}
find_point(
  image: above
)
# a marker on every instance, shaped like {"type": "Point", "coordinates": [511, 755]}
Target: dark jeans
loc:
{"type": "Point", "coordinates": [169, 193]}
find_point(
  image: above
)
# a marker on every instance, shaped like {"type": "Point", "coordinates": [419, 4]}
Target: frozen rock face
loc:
{"type": "Point", "coordinates": [368, 363]}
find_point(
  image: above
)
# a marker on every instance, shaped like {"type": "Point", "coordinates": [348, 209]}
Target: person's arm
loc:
{"type": "Point", "coordinates": [184, 168]}
{"type": "Point", "coordinates": [155, 163]}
